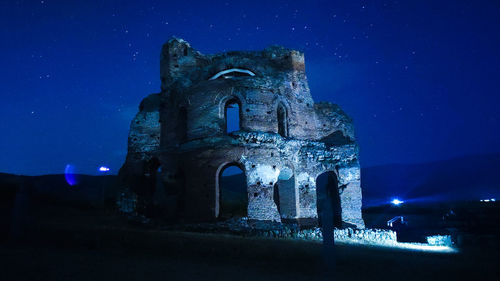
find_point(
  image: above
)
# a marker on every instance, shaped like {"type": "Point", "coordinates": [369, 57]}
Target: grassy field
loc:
{"type": "Point", "coordinates": [79, 242]}
{"type": "Point", "coordinates": [61, 250]}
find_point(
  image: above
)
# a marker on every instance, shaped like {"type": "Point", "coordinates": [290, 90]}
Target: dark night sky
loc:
{"type": "Point", "coordinates": [419, 78]}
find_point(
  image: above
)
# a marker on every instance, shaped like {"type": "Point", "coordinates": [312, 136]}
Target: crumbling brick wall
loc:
{"type": "Point", "coordinates": [283, 134]}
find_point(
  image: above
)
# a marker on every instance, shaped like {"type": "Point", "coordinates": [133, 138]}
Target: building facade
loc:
{"type": "Point", "coordinates": [179, 140]}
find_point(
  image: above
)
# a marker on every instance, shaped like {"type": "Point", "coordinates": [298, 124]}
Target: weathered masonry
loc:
{"type": "Point", "coordinates": [179, 140]}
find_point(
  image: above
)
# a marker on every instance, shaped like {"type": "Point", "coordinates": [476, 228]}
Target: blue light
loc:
{"type": "Point", "coordinates": [70, 175]}
{"type": "Point", "coordinates": [397, 202]}
{"type": "Point", "coordinates": [103, 169]}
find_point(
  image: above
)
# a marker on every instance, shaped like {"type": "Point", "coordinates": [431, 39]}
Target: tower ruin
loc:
{"type": "Point", "coordinates": [179, 142]}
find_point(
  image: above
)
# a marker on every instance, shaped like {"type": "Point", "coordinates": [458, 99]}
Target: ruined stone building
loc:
{"type": "Point", "coordinates": [179, 140]}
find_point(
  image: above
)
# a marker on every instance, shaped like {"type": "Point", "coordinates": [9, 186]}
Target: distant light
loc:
{"type": "Point", "coordinates": [488, 200]}
{"type": "Point", "coordinates": [103, 169]}
{"type": "Point", "coordinates": [70, 175]}
{"type": "Point", "coordinates": [397, 202]}
{"type": "Point", "coordinates": [492, 199]}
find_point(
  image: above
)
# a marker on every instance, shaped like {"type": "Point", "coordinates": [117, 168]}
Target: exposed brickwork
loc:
{"type": "Point", "coordinates": [283, 135]}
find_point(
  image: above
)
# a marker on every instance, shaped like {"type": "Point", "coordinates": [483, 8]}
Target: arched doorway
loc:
{"type": "Point", "coordinates": [232, 114]}
{"type": "Point", "coordinates": [284, 194]}
{"type": "Point", "coordinates": [232, 196]}
{"type": "Point", "coordinates": [146, 187]}
{"type": "Point", "coordinates": [282, 120]}
{"type": "Point", "coordinates": [328, 200]}
{"type": "Point", "coordinates": [159, 192]}
{"type": "Point", "coordinates": [173, 183]}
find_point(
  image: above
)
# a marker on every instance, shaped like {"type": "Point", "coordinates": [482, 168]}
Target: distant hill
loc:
{"type": "Point", "coordinates": [465, 178]}
{"type": "Point", "coordinates": [234, 183]}
{"type": "Point", "coordinates": [89, 190]}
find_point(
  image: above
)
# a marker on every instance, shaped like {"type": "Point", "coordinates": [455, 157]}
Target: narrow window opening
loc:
{"type": "Point", "coordinates": [232, 116]}
{"type": "Point", "coordinates": [276, 197]}
{"type": "Point", "coordinates": [282, 121]}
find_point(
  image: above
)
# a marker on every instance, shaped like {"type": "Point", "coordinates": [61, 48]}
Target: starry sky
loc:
{"type": "Point", "coordinates": [419, 78]}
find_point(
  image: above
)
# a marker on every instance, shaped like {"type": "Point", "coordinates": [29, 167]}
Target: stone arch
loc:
{"type": "Point", "coordinates": [227, 101]}
{"type": "Point", "coordinates": [161, 188]}
{"type": "Point", "coordinates": [280, 101]}
{"type": "Point", "coordinates": [227, 97]}
{"type": "Point", "coordinates": [285, 193]}
{"type": "Point", "coordinates": [218, 192]}
{"type": "Point", "coordinates": [328, 202]}
{"type": "Point", "coordinates": [145, 184]}
{"type": "Point", "coordinates": [281, 104]}
{"type": "Point", "coordinates": [232, 72]}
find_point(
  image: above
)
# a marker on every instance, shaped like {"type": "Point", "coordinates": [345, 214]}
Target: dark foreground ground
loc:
{"type": "Point", "coordinates": [46, 262]}
{"type": "Point", "coordinates": [59, 238]}
{"type": "Point", "coordinates": [67, 244]}
{"type": "Point", "coordinates": [195, 257]}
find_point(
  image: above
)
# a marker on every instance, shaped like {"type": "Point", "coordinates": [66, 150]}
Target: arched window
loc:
{"type": "Point", "coordinates": [232, 113]}
{"type": "Point", "coordinates": [282, 120]}
{"type": "Point", "coordinates": [233, 72]}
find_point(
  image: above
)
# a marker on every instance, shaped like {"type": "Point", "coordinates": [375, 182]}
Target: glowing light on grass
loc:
{"type": "Point", "coordinates": [426, 248]}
